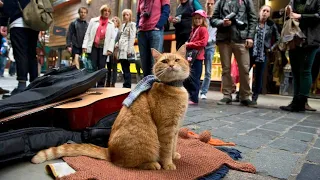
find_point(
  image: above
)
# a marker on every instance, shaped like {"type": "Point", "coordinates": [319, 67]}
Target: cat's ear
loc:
{"type": "Point", "coordinates": [156, 54]}
{"type": "Point", "coordinates": [182, 50]}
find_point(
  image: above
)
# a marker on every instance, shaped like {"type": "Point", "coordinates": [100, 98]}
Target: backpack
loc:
{"type": "Point", "coordinates": [38, 14]}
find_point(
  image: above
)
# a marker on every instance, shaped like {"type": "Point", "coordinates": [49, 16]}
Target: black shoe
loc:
{"type": "Point", "coordinates": [297, 105]}
{"type": "Point", "coordinates": [248, 103]}
{"type": "Point", "coordinates": [225, 101]}
{"type": "Point", "coordinates": [307, 107]}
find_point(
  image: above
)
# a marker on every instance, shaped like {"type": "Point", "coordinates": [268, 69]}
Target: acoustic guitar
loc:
{"type": "Point", "coordinates": [75, 113]}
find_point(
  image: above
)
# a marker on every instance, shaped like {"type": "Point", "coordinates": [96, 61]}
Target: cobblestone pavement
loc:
{"type": "Point", "coordinates": [281, 145]}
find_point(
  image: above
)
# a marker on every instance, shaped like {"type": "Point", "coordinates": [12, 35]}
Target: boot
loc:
{"type": "Point", "coordinates": [108, 84]}
{"type": "Point", "coordinates": [308, 108]}
{"type": "Point", "coordinates": [297, 104]}
{"type": "Point", "coordinates": [113, 85]}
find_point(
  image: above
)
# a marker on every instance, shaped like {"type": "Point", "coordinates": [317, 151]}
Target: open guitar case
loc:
{"type": "Point", "coordinates": [54, 86]}
{"type": "Point", "coordinates": [23, 138]}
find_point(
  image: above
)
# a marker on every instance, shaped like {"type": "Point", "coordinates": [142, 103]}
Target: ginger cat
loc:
{"type": "Point", "coordinates": [144, 135]}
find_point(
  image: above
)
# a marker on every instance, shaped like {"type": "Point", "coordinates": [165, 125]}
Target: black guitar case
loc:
{"type": "Point", "coordinates": [56, 85]}
{"type": "Point", "coordinates": [23, 144]}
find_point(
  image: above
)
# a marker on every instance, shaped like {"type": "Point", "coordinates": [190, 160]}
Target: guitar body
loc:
{"type": "Point", "coordinates": [88, 110]}
{"type": "Point", "coordinates": [75, 113]}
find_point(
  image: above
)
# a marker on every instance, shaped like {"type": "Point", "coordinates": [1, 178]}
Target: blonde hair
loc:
{"type": "Point", "coordinates": [103, 8]}
{"type": "Point", "coordinates": [204, 22]}
{"type": "Point", "coordinates": [127, 11]}
{"type": "Point", "coordinates": [116, 18]}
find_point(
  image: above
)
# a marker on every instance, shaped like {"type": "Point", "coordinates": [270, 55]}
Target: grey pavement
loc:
{"type": "Point", "coordinates": [281, 145]}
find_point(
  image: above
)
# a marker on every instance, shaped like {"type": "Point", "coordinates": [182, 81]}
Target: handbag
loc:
{"type": "Point", "coordinates": [191, 54]}
{"type": "Point", "coordinates": [38, 14]}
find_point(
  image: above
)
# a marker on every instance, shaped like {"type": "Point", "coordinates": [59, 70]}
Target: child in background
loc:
{"type": "Point", "coordinates": [3, 50]}
{"type": "Point", "coordinates": [198, 40]}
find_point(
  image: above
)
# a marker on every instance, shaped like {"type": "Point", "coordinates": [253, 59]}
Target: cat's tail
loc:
{"type": "Point", "coordinates": [89, 150]}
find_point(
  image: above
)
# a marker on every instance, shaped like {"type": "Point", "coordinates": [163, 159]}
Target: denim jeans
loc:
{"type": "Point", "coordinates": [301, 60]}
{"type": "Point", "coordinates": [192, 84]}
{"type": "Point", "coordinates": [146, 41]}
{"type": "Point", "coordinates": [258, 75]}
{"type": "Point", "coordinates": [209, 53]}
{"type": "Point", "coordinates": [125, 64]}
{"type": "Point", "coordinates": [3, 62]}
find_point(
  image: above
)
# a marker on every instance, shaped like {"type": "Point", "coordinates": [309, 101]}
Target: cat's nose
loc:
{"type": "Point", "coordinates": [171, 65]}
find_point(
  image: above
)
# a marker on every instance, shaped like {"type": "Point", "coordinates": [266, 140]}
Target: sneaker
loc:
{"type": "Point", "coordinates": [192, 103]}
{"type": "Point", "coordinates": [3, 91]}
{"type": "Point", "coordinates": [225, 101]}
{"type": "Point", "coordinates": [237, 99]}
{"type": "Point", "coordinates": [249, 103]}
{"type": "Point", "coordinates": [203, 96]}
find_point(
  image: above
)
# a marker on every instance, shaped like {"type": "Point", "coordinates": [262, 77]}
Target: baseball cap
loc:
{"type": "Point", "coordinates": [200, 12]}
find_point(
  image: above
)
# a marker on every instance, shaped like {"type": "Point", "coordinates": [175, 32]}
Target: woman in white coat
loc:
{"type": "Point", "coordinates": [99, 40]}
{"type": "Point", "coordinates": [126, 45]}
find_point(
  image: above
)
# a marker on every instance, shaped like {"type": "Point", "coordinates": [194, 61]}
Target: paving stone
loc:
{"type": "Point", "coordinates": [309, 172]}
{"type": "Point", "coordinates": [225, 132]}
{"type": "Point", "coordinates": [257, 121]}
{"type": "Point", "coordinates": [304, 129]}
{"type": "Point", "coordinates": [268, 117]}
{"type": "Point", "coordinates": [200, 118]}
{"type": "Point", "coordinates": [289, 119]}
{"type": "Point", "coordinates": [213, 123]}
{"type": "Point", "coordinates": [197, 128]}
{"type": "Point", "coordinates": [308, 123]}
{"type": "Point", "coordinates": [291, 145]}
{"type": "Point", "coordinates": [299, 136]}
{"type": "Point", "coordinates": [275, 127]}
{"type": "Point", "coordinates": [296, 115]}
{"type": "Point", "coordinates": [284, 122]}
{"type": "Point", "coordinates": [230, 119]}
{"type": "Point", "coordinates": [275, 162]}
{"type": "Point", "coordinates": [243, 125]}
{"type": "Point", "coordinates": [264, 133]}
{"type": "Point", "coordinates": [317, 144]}
{"type": "Point", "coordinates": [250, 141]}
{"type": "Point", "coordinates": [314, 156]}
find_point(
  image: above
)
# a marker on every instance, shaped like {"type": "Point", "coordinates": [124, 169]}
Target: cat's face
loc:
{"type": "Point", "coordinates": [171, 66]}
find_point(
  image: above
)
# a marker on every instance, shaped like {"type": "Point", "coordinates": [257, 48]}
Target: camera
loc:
{"type": "Point", "coordinates": [240, 24]}
{"type": "Point", "coordinates": [146, 14]}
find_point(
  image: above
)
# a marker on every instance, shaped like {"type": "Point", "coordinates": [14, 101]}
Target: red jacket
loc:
{"type": "Point", "coordinates": [199, 41]}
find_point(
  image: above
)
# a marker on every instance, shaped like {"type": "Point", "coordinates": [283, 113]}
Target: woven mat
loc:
{"type": "Point", "coordinates": [197, 160]}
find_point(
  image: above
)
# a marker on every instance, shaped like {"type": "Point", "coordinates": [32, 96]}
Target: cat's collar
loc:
{"type": "Point", "coordinates": [178, 83]}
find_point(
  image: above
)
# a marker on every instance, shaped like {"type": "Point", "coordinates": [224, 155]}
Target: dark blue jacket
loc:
{"type": "Point", "coordinates": [11, 10]}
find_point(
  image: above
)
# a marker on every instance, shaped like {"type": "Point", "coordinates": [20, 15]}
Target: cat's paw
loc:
{"type": "Point", "coordinates": [176, 156]}
{"type": "Point", "coordinates": [169, 166]}
{"type": "Point", "coordinates": [150, 166]}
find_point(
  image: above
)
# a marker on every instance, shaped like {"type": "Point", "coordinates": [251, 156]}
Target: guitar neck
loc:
{"type": "Point", "coordinates": [41, 108]}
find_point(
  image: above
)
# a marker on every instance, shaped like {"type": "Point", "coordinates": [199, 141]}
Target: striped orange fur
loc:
{"type": "Point", "coordinates": [144, 135]}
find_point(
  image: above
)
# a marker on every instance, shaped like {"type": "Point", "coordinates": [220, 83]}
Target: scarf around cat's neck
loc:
{"type": "Point", "coordinates": [144, 85]}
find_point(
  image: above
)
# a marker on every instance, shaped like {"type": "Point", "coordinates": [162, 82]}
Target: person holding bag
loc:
{"type": "Point", "coordinates": [195, 47]}
{"type": "Point", "coordinates": [23, 40]}
{"type": "Point", "coordinates": [307, 13]}
{"type": "Point", "coordinates": [126, 45]}
{"type": "Point", "coordinates": [99, 40]}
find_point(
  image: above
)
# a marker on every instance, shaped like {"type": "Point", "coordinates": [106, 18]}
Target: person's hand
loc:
{"type": "Point", "coordinates": [288, 10]}
{"type": "Point", "coordinates": [84, 50]}
{"type": "Point", "coordinates": [295, 15]}
{"type": "Point", "coordinates": [226, 22]}
{"type": "Point", "coordinates": [249, 43]}
{"type": "Point", "coordinates": [69, 49]}
{"type": "Point", "coordinates": [1, 3]}
{"type": "Point", "coordinates": [109, 53]}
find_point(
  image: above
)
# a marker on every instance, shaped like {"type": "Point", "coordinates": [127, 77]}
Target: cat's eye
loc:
{"type": "Point", "coordinates": [164, 61]}
{"type": "Point", "coordinates": [177, 60]}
